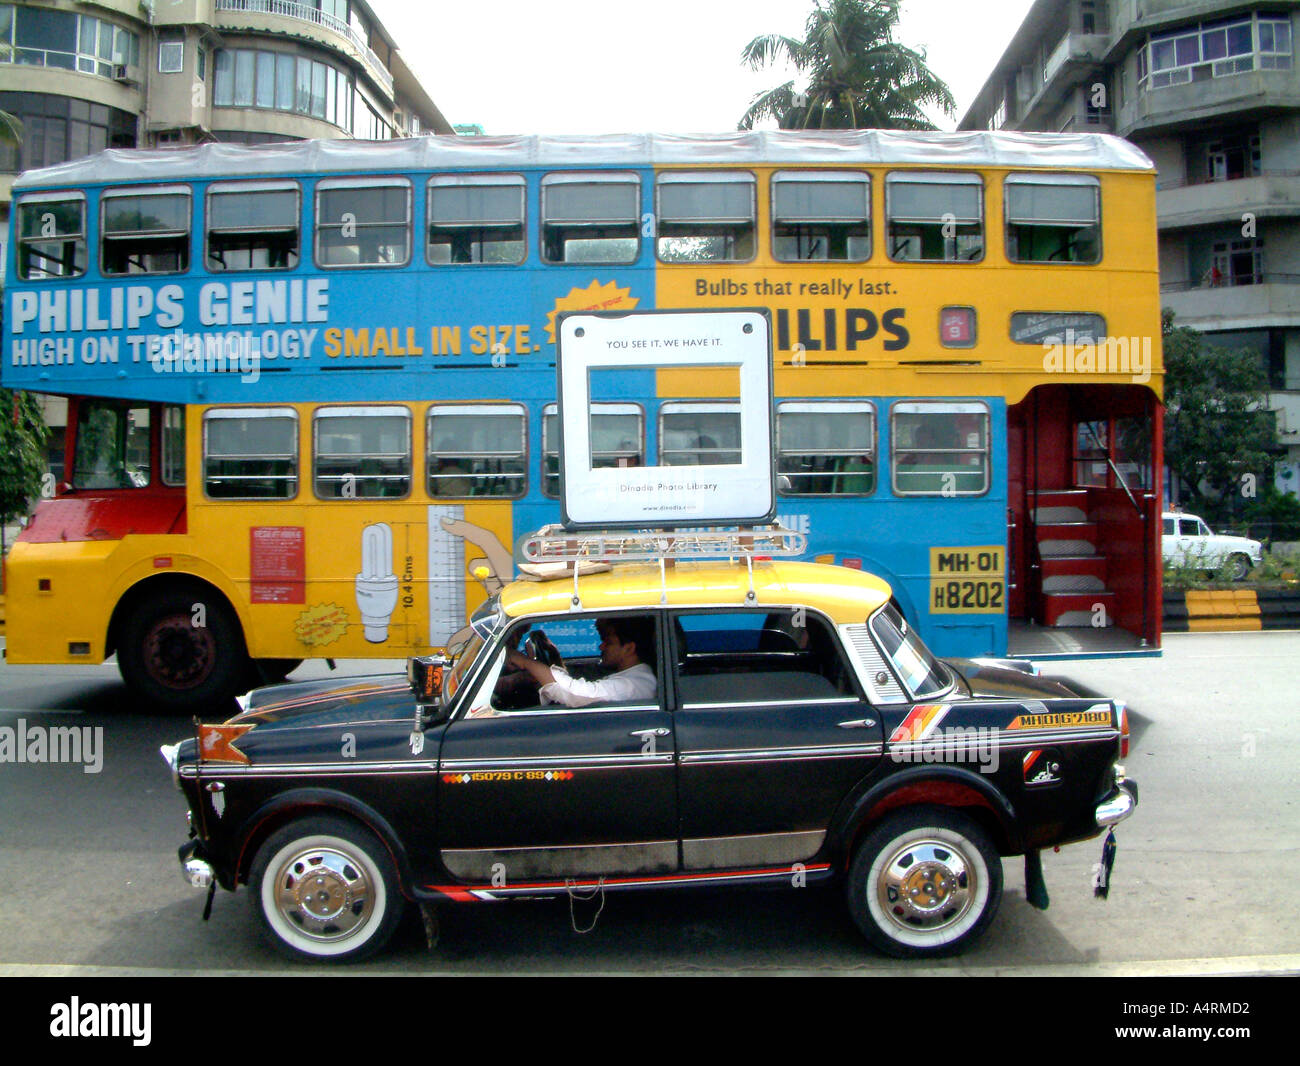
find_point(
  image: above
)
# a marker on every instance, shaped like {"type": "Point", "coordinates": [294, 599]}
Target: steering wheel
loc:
{"type": "Point", "coordinates": [537, 645]}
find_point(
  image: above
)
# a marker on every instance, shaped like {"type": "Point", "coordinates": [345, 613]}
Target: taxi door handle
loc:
{"type": "Point", "coordinates": [858, 723]}
{"type": "Point", "coordinates": [643, 733]}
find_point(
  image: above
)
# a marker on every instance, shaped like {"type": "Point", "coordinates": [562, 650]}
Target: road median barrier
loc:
{"type": "Point", "coordinates": [1230, 610]}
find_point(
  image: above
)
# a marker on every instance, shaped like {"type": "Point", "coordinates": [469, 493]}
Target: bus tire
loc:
{"type": "Point", "coordinates": [182, 650]}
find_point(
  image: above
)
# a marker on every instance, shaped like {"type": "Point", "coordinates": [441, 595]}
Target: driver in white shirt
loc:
{"type": "Point", "coordinates": [623, 640]}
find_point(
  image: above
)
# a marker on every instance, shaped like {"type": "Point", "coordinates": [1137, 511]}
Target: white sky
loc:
{"type": "Point", "coordinates": [673, 66]}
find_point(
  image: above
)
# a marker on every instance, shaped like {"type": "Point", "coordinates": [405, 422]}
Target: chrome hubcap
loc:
{"type": "Point", "coordinates": [926, 885]}
{"type": "Point", "coordinates": [324, 893]}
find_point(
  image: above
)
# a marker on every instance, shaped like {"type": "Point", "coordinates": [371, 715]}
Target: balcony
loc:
{"type": "Point", "coordinates": [1185, 106]}
{"type": "Point", "coordinates": [287, 9]}
{"type": "Point", "coordinates": [1273, 194]}
{"type": "Point", "coordinates": [1273, 302]}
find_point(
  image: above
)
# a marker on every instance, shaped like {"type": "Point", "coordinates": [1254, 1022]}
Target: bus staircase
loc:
{"type": "Point", "coordinates": [1072, 575]}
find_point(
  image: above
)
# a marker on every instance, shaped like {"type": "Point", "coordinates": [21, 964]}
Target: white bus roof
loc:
{"type": "Point", "coordinates": [1083, 151]}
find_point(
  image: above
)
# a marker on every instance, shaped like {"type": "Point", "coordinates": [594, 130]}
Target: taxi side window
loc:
{"type": "Point", "coordinates": [758, 656]}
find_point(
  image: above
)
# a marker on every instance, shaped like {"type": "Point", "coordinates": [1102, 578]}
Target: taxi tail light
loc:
{"type": "Point", "coordinates": [1121, 708]}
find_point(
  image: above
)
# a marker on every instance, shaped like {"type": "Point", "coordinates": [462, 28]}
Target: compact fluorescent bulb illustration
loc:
{"type": "Point", "coordinates": [376, 584]}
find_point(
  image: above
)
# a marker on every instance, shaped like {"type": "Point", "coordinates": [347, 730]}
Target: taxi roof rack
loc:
{"type": "Point", "coordinates": [556, 544]}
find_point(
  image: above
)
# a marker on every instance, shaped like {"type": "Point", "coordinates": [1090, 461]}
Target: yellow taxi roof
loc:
{"type": "Point", "coordinates": [844, 595]}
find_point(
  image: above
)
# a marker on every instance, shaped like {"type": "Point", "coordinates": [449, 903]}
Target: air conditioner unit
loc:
{"type": "Point", "coordinates": [119, 73]}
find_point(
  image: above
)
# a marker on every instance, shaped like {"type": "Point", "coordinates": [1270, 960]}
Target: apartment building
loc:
{"type": "Point", "coordinates": [1211, 91]}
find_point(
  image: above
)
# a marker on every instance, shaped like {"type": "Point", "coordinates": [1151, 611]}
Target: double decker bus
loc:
{"type": "Point", "coordinates": [312, 403]}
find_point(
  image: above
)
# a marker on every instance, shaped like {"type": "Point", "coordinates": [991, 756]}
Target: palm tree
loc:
{"type": "Point", "coordinates": [859, 77]}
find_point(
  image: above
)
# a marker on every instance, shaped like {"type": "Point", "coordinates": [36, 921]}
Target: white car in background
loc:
{"type": "Point", "coordinates": [1188, 541]}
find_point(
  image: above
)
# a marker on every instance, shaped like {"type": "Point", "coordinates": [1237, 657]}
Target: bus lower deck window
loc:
{"type": "Point", "coordinates": [706, 217]}
{"type": "Point", "coordinates": [477, 450]}
{"type": "Point", "coordinates": [939, 448]}
{"type": "Point", "coordinates": [112, 446]}
{"type": "Point", "coordinates": [826, 448]}
{"type": "Point", "coordinates": [475, 218]}
{"type": "Point", "coordinates": [362, 453]}
{"type": "Point", "coordinates": [934, 216]}
{"type": "Point", "coordinates": [251, 454]}
{"type": "Point", "coordinates": [617, 440]}
{"type": "Point", "coordinates": [699, 434]}
{"type": "Point", "coordinates": [145, 233]}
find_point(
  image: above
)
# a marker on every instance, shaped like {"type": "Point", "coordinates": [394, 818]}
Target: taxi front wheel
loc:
{"type": "Point", "coordinates": [924, 882]}
{"type": "Point", "coordinates": [325, 890]}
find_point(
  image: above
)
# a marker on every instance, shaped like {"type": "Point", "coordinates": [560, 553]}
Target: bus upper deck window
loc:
{"type": "Point", "coordinates": [362, 453]}
{"type": "Point", "coordinates": [52, 236]}
{"type": "Point", "coordinates": [477, 450]}
{"type": "Point", "coordinates": [706, 217]}
{"type": "Point", "coordinates": [253, 226]}
{"type": "Point", "coordinates": [1053, 218]}
{"type": "Point", "coordinates": [476, 218]}
{"type": "Point", "coordinates": [591, 218]}
{"type": "Point", "coordinates": [363, 222]}
{"type": "Point", "coordinates": [826, 448]}
{"type": "Point", "coordinates": [935, 217]}
{"type": "Point", "coordinates": [821, 216]}
{"type": "Point", "coordinates": [112, 446]}
{"type": "Point", "coordinates": [146, 231]}
{"type": "Point", "coordinates": [617, 440]}
{"type": "Point", "coordinates": [251, 454]}
{"type": "Point", "coordinates": [939, 448]}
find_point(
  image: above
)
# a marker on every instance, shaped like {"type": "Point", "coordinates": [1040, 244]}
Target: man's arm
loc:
{"type": "Point", "coordinates": [539, 672]}
{"type": "Point", "coordinates": [638, 683]}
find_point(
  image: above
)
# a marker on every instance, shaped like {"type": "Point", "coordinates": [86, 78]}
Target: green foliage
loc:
{"type": "Point", "coordinates": [22, 443]}
{"type": "Point", "coordinates": [1273, 515]}
{"type": "Point", "coordinates": [1219, 434]}
{"type": "Point", "coordinates": [858, 76]}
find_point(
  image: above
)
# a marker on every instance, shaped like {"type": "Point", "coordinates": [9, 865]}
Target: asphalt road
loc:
{"type": "Point", "coordinates": [1207, 878]}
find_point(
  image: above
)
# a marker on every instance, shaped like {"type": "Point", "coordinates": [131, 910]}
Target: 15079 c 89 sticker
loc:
{"type": "Point", "coordinates": [968, 580]}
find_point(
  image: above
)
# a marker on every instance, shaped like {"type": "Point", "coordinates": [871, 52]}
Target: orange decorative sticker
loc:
{"type": "Point", "coordinates": [595, 297]}
{"type": "Point", "coordinates": [216, 743]}
{"type": "Point", "coordinates": [482, 776]}
{"type": "Point", "coordinates": [320, 625]}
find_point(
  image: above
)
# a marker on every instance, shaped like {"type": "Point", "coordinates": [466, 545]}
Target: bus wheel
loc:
{"type": "Point", "coordinates": [183, 651]}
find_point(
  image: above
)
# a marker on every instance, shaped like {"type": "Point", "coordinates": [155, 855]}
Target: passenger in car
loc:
{"type": "Point", "coordinates": [626, 648]}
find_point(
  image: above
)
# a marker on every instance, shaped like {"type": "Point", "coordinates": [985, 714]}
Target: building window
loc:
{"type": "Point", "coordinates": [43, 37]}
{"type": "Point", "coordinates": [1217, 49]}
{"type": "Point", "coordinates": [476, 218]}
{"type": "Point", "coordinates": [1232, 158]}
{"type": "Point", "coordinates": [253, 226]}
{"type": "Point", "coordinates": [477, 450]}
{"type": "Point", "coordinates": [1239, 262]}
{"type": "Point", "coordinates": [51, 236]}
{"type": "Point", "coordinates": [278, 81]}
{"type": "Point", "coordinates": [250, 454]}
{"type": "Point", "coordinates": [590, 218]}
{"type": "Point", "coordinates": [171, 57]}
{"type": "Point", "coordinates": [145, 232]}
{"type": "Point", "coordinates": [821, 216]}
{"type": "Point", "coordinates": [59, 128]}
{"type": "Point", "coordinates": [699, 434]}
{"type": "Point", "coordinates": [617, 440]}
{"type": "Point", "coordinates": [826, 448]}
{"type": "Point", "coordinates": [1053, 218]}
{"type": "Point", "coordinates": [362, 453]}
{"type": "Point", "coordinates": [363, 222]}
{"type": "Point", "coordinates": [706, 217]}
{"type": "Point", "coordinates": [939, 448]}
{"type": "Point", "coordinates": [935, 217]}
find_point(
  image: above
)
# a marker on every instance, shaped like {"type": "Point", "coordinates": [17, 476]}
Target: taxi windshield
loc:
{"type": "Point", "coordinates": [483, 624]}
{"type": "Point", "coordinates": [922, 673]}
